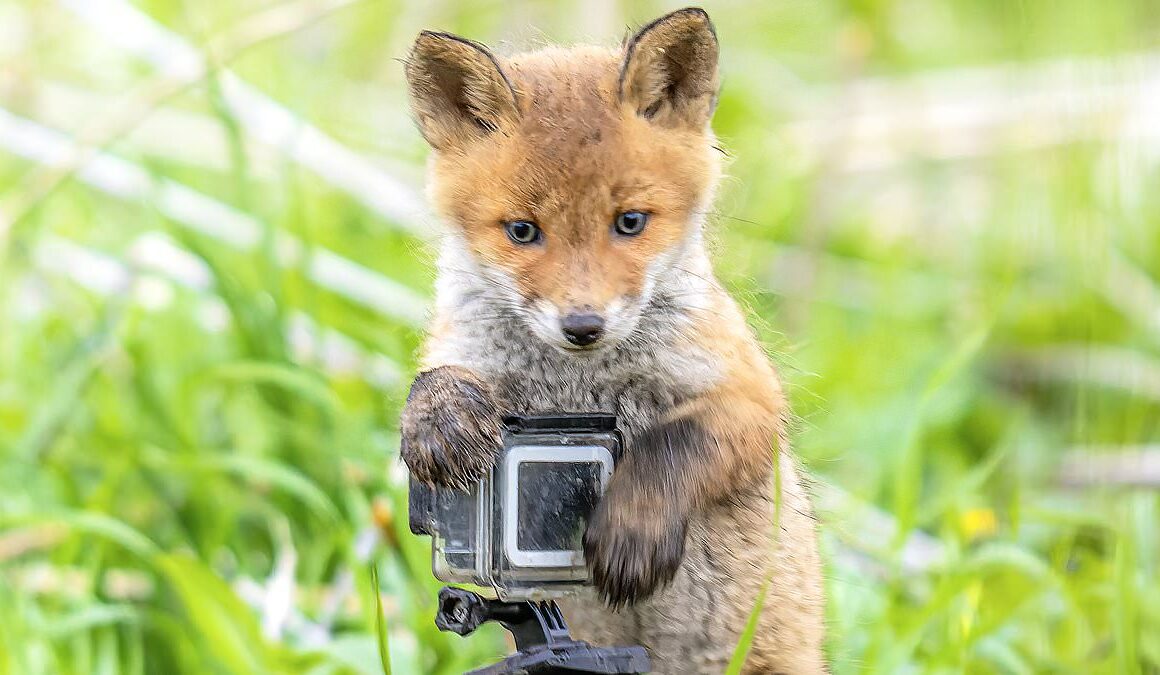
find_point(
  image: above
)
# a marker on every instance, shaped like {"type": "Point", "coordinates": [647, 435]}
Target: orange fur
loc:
{"type": "Point", "coordinates": [575, 156]}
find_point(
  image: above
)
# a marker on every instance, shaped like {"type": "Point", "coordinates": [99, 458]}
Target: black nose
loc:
{"type": "Point", "coordinates": [582, 329]}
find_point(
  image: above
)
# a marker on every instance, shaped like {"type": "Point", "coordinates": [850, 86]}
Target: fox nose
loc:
{"type": "Point", "coordinates": [582, 329]}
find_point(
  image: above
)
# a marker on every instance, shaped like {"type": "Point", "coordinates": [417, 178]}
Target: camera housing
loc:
{"type": "Point", "coordinates": [518, 530]}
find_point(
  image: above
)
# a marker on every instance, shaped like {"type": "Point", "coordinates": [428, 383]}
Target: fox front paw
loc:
{"type": "Point", "coordinates": [632, 550]}
{"type": "Point", "coordinates": [450, 427]}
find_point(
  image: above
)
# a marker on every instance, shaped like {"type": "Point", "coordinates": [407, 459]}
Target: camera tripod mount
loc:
{"type": "Point", "coordinates": [541, 636]}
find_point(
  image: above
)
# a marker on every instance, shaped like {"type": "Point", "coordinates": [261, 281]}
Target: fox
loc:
{"type": "Point", "coordinates": [575, 185]}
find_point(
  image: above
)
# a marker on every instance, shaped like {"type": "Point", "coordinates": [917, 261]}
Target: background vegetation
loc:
{"type": "Point", "coordinates": [945, 216]}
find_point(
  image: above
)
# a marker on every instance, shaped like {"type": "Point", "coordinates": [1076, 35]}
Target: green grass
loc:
{"type": "Point", "coordinates": [202, 479]}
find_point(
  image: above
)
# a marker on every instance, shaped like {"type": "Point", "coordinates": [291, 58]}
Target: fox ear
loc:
{"type": "Point", "coordinates": [669, 74]}
{"type": "Point", "coordinates": [458, 91]}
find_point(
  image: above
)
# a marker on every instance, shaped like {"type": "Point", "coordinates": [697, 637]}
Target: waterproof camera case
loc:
{"type": "Point", "coordinates": [518, 530]}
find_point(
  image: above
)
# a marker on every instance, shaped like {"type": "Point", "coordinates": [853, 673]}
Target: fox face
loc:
{"type": "Point", "coordinates": [574, 179]}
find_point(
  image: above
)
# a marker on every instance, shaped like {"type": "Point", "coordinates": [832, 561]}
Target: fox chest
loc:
{"type": "Point", "coordinates": [638, 387]}
{"type": "Point", "coordinates": [637, 402]}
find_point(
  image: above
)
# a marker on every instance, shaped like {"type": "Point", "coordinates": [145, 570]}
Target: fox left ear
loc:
{"type": "Point", "coordinates": [669, 74]}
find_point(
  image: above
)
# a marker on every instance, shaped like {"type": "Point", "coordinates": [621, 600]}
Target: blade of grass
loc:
{"type": "Point", "coordinates": [211, 218]}
{"type": "Point", "coordinates": [74, 376]}
{"type": "Point", "coordinates": [261, 116]}
{"type": "Point", "coordinates": [745, 641]}
{"type": "Point", "coordinates": [380, 622]}
{"type": "Point", "coordinates": [908, 469]}
{"type": "Point", "coordinates": [98, 524]}
{"type": "Point", "coordinates": [225, 624]}
{"type": "Point", "coordinates": [974, 479]}
{"type": "Point", "coordinates": [1125, 622]}
{"type": "Point", "coordinates": [260, 471]}
{"type": "Point", "coordinates": [304, 384]}
{"type": "Point", "coordinates": [184, 72]}
{"type": "Point", "coordinates": [89, 617]}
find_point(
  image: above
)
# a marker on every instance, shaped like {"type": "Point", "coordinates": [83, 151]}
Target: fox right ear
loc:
{"type": "Point", "coordinates": [458, 91]}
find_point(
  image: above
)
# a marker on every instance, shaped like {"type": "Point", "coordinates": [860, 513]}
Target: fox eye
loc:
{"type": "Point", "coordinates": [522, 231]}
{"type": "Point", "coordinates": [631, 223]}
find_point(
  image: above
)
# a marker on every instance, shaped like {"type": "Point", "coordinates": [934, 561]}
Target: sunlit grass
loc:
{"type": "Point", "coordinates": [198, 455]}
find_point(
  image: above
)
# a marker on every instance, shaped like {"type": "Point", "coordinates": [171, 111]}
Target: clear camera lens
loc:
{"type": "Point", "coordinates": [554, 500]}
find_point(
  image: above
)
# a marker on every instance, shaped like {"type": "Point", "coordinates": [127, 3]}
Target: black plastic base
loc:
{"type": "Point", "coordinates": [570, 659]}
{"type": "Point", "coordinates": [545, 647]}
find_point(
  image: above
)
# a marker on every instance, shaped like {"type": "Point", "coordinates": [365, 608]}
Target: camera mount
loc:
{"type": "Point", "coordinates": [518, 530]}
{"type": "Point", "coordinates": [541, 636]}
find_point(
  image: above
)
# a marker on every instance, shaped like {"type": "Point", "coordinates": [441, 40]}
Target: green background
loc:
{"type": "Point", "coordinates": [944, 216]}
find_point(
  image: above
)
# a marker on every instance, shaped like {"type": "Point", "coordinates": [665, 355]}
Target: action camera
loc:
{"type": "Point", "coordinates": [519, 529]}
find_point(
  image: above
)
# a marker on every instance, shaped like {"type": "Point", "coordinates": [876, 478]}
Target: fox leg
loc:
{"type": "Point", "coordinates": [450, 427]}
{"type": "Point", "coordinates": [695, 458]}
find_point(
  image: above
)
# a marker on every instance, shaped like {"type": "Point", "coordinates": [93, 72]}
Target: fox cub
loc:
{"type": "Point", "coordinates": [574, 277]}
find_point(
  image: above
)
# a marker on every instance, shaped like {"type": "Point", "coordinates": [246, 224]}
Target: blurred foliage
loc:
{"type": "Point", "coordinates": [200, 477]}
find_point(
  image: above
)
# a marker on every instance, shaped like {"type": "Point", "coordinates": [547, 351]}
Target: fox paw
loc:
{"type": "Point", "coordinates": [632, 550]}
{"type": "Point", "coordinates": [450, 428]}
